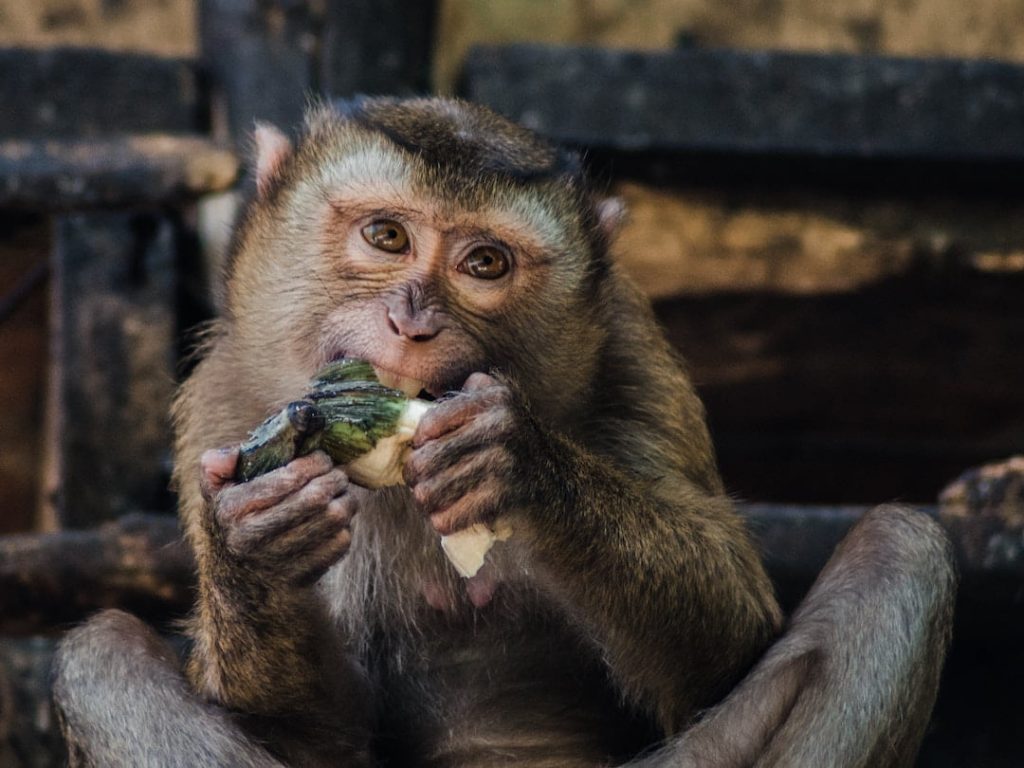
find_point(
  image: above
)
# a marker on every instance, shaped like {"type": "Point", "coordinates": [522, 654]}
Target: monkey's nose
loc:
{"type": "Point", "coordinates": [422, 326]}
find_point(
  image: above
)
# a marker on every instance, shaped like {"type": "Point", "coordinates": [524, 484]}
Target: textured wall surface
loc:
{"type": "Point", "coordinates": [157, 26]}
{"type": "Point", "coordinates": [907, 27]}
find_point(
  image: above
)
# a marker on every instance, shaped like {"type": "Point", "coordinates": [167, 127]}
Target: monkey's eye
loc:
{"type": "Point", "coordinates": [486, 262]}
{"type": "Point", "coordinates": [386, 234]}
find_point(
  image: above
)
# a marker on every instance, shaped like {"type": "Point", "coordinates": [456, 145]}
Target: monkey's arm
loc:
{"type": "Point", "coordinates": [263, 646]}
{"type": "Point", "coordinates": [661, 572]}
{"type": "Point", "coordinates": [691, 606]}
{"type": "Point", "coordinates": [854, 678]}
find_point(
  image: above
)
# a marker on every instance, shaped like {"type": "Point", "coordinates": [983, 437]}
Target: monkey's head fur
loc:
{"type": "Point", "coordinates": [430, 237]}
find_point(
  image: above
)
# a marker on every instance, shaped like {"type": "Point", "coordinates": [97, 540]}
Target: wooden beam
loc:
{"type": "Point", "coordinates": [804, 242]}
{"type": "Point", "coordinates": [138, 563]}
{"type": "Point", "coordinates": [757, 103]}
{"type": "Point", "coordinates": [708, 118]}
{"type": "Point", "coordinates": [797, 540]}
{"type": "Point", "coordinates": [883, 393]}
{"type": "Point", "coordinates": [377, 47]}
{"type": "Point", "coordinates": [260, 57]}
{"type": "Point", "coordinates": [113, 336]}
{"type": "Point", "coordinates": [85, 92]}
{"type": "Point", "coordinates": [128, 170]}
{"type": "Point", "coordinates": [29, 732]}
{"type": "Point", "coordinates": [267, 57]}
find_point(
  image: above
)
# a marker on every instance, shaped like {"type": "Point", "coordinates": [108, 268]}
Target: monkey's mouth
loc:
{"type": "Point", "coordinates": [409, 386]}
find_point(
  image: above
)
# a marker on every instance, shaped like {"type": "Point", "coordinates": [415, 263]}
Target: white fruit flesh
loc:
{"type": "Point", "coordinates": [467, 549]}
{"type": "Point", "coordinates": [383, 465]}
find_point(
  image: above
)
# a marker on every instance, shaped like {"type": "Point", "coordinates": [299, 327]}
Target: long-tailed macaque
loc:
{"type": "Point", "coordinates": [628, 619]}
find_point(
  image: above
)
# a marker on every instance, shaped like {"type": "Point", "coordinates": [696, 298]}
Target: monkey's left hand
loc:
{"type": "Point", "coordinates": [470, 456]}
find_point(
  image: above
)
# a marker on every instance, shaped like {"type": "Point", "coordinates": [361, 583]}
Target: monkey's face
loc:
{"type": "Point", "coordinates": [420, 288]}
{"type": "Point", "coordinates": [370, 252]}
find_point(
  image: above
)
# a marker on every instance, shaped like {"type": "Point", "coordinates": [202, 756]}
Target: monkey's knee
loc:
{"type": "Point", "coordinates": [892, 540]}
{"type": "Point", "coordinates": [919, 536]}
{"type": "Point", "coordinates": [895, 568]}
{"type": "Point", "coordinates": [875, 628]}
{"type": "Point", "coordinates": [886, 597]}
{"type": "Point", "coordinates": [123, 702]}
{"type": "Point", "coordinates": [102, 659]}
{"type": "Point", "coordinates": [913, 545]}
{"type": "Point", "coordinates": [109, 639]}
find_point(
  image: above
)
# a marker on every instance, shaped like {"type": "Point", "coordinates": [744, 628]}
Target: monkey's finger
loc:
{"type": "Point", "coordinates": [248, 526]}
{"type": "Point", "coordinates": [268, 490]}
{"type": "Point", "coordinates": [305, 544]}
{"type": "Point", "coordinates": [478, 381]}
{"type": "Point", "coordinates": [479, 505]}
{"type": "Point", "coordinates": [286, 540]}
{"type": "Point", "coordinates": [332, 551]}
{"type": "Point", "coordinates": [441, 490]}
{"type": "Point", "coordinates": [345, 506]}
{"type": "Point", "coordinates": [451, 414]}
{"type": "Point", "coordinates": [217, 470]}
{"type": "Point", "coordinates": [256, 531]}
{"type": "Point", "coordinates": [479, 419]}
{"type": "Point", "coordinates": [489, 428]}
{"type": "Point", "coordinates": [300, 544]}
{"type": "Point", "coordinates": [435, 456]}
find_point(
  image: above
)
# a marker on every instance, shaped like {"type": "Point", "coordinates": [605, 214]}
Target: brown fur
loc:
{"type": "Point", "coordinates": [629, 597]}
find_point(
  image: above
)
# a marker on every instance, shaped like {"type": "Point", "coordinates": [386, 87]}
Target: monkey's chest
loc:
{"type": "Point", "coordinates": [506, 689]}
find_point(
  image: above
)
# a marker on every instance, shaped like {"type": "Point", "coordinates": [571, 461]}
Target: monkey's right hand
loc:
{"type": "Point", "coordinates": [285, 528]}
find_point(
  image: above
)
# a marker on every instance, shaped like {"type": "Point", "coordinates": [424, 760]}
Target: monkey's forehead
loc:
{"type": "Point", "coordinates": [468, 139]}
{"type": "Point", "coordinates": [365, 171]}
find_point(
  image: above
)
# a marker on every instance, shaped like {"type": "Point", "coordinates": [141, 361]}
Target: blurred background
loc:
{"type": "Point", "coordinates": [826, 209]}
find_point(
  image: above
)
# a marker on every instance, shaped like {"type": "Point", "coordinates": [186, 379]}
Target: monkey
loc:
{"type": "Point", "coordinates": [628, 619]}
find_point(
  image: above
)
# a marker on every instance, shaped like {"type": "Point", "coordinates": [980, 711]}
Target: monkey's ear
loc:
{"type": "Point", "coordinates": [272, 149]}
{"type": "Point", "coordinates": [611, 214]}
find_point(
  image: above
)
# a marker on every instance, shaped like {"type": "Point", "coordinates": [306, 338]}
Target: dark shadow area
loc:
{"type": "Point", "coordinates": [884, 394]}
{"type": "Point", "coordinates": [910, 178]}
{"type": "Point", "coordinates": [978, 719]}
{"type": "Point", "coordinates": [24, 339]}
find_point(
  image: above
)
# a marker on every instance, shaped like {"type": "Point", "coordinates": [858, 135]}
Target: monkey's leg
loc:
{"type": "Point", "coordinates": [853, 680]}
{"type": "Point", "coordinates": [123, 701]}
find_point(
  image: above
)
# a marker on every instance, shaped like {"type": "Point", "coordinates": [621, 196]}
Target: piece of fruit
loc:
{"type": "Point", "coordinates": [364, 426]}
